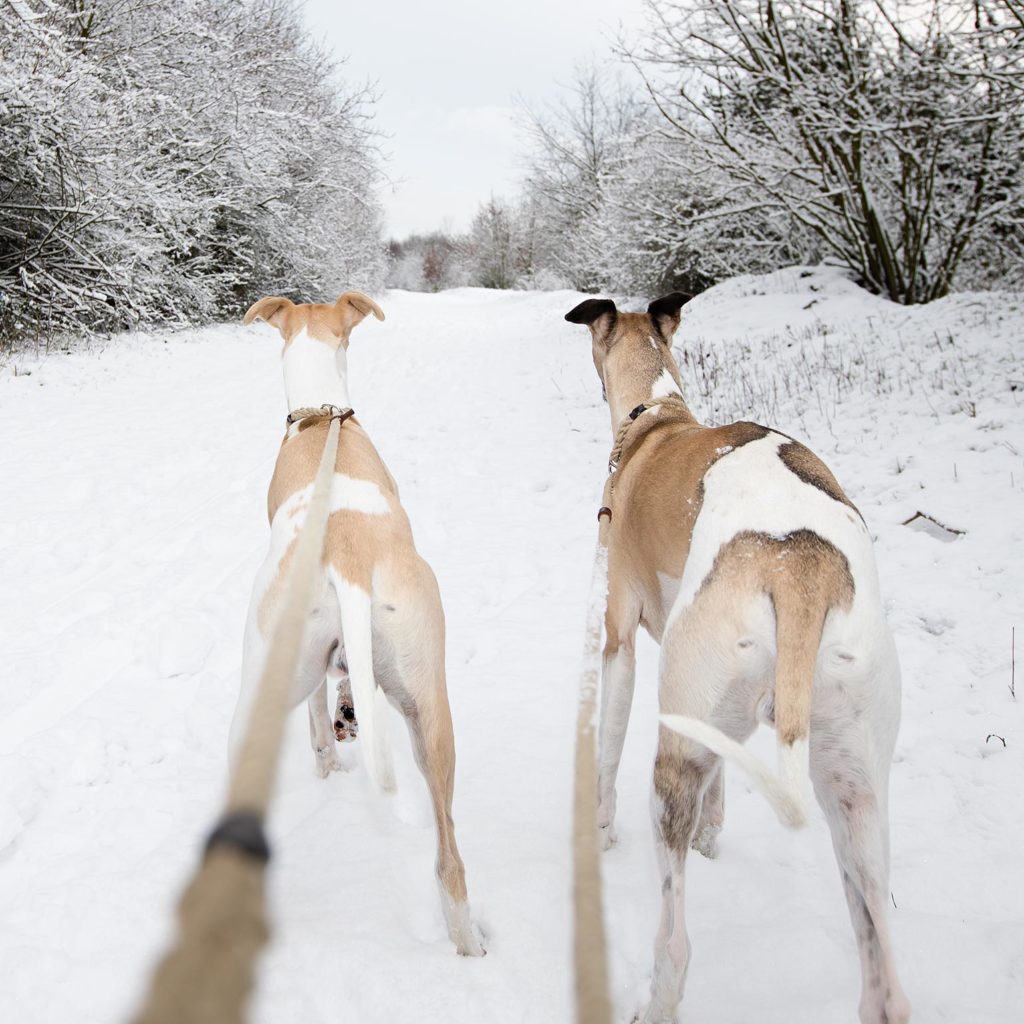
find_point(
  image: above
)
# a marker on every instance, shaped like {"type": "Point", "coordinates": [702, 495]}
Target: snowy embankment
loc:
{"type": "Point", "coordinates": [132, 522]}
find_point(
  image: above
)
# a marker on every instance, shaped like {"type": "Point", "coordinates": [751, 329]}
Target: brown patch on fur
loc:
{"type": "Point", "coordinates": [808, 467]}
{"type": "Point", "coordinates": [805, 577]}
{"type": "Point", "coordinates": [329, 323]}
{"type": "Point", "coordinates": [658, 495]}
{"type": "Point", "coordinates": [681, 786]}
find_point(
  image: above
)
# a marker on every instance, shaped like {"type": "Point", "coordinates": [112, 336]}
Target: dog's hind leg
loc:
{"type": "Point", "coordinates": [413, 623]}
{"type": "Point", "coordinates": [434, 747]}
{"type": "Point", "coordinates": [712, 814]}
{"type": "Point", "coordinates": [680, 783]}
{"type": "Point", "coordinates": [698, 675]}
{"type": "Point", "coordinates": [321, 732]}
{"type": "Point", "coordinates": [850, 776]}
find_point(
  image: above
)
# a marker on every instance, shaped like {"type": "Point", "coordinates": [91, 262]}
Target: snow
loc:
{"type": "Point", "coordinates": [132, 522]}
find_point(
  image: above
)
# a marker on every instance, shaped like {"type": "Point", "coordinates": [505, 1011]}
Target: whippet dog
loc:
{"type": "Point", "coordinates": [378, 626]}
{"type": "Point", "coordinates": [738, 551]}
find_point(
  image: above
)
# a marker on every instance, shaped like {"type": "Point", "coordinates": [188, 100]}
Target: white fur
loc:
{"type": "Point", "coordinates": [751, 488]}
{"type": "Point", "coordinates": [314, 374]}
{"type": "Point", "coordinates": [665, 385]}
{"type": "Point", "coordinates": [370, 702]}
{"type": "Point", "coordinates": [789, 794]}
{"type": "Point", "coordinates": [795, 773]}
{"type": "Point", "coordinates": [617, 683]}
{"type": "Point", "coordinates": [348, 494]}
{"type": "Point", "coordinates": [721, 672]}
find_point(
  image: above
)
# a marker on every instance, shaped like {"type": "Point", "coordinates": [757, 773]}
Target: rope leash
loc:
{"type": "Point", "coordinates": [206, 977]}
{"type": "Point", "coordinates": [674, 401]}
{"type": "Point", "coordinates": [590, 953]}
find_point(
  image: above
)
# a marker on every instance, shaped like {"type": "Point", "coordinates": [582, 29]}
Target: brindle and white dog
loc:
{"type": "Point", "coordinates": [738, 551]}
{"type": "Point", "coordinates": [378, 627]}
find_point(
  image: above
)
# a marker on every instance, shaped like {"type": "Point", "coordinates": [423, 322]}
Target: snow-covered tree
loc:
{"type": "Point", "coordinates": [889, 134]}
{"type": "Point", "coordinates": [171, 162]}
{"type": "Point", "coordinates": [579, 147]}
{"type": "Point", "coordinates": [491, 247]}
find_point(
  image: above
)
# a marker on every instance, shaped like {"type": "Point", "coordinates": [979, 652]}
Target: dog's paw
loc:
{"type": "Point", "coordinates": [327, 761]}
{"type": "Point", "coordinates": [346, 726]}
{"type": "Point", "coordinates": [706, 841]}
{"type": "Point", "coordinates": [647, 1015]}
{"type": "Point", "coordinates": [471, 944]}
{"type": "Point", "coordinates": [607, 837]}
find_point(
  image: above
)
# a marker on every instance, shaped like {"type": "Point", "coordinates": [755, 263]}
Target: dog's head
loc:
{"type": "Point", "coordinates": [330, 324]}
{"type": "Point", "coordinates": [630, 342]}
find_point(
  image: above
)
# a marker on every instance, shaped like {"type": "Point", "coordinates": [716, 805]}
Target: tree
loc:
{"type": "Point", "coordinates": [579, 145]}
{"type": "Point", "coordinates": [170, 163]}
{"type": "Point", "coordinates": [891, 134]}
{"type": "Point", "coordinates": [491, 246]}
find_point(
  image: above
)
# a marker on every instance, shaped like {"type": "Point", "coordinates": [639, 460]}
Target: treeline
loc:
{"type": "Point", "coordinates": [738, 136]}
{"type": "Point", "coordinates": [171, 162]}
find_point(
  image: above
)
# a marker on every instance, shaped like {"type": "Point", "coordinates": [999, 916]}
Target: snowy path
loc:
{"type": "Point", "coordinates": [131, 524]}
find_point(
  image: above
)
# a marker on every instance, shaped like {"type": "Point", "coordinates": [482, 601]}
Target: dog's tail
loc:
{"type": "Point", "coordinates": [785, 792]}
{"type": "Point", "coordinates": [800, 612]}
{"type": "Point", "coordinates": [371, 705]}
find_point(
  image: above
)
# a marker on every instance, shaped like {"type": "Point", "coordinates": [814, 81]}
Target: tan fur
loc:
{"type": "Point", "coordinates": [329, 323]}
{"type": "Point", "coordinates": [374, 553]}
{"type": "Point", "coordinates": [356, 542]}
{"type": "Point", "coordinates": [659, 485]}
{"type": "Point", "coordinates": [628, 363]}
{"type": "Point", "coordinates": [657, 496]}
{"type": "Point", "coordinates": [718, 676]}
{"type": "Point", "coordinates": [805, 577]}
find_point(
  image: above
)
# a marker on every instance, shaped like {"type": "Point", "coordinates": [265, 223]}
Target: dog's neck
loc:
{"type": "Point", "coordinates": [315, 374]}
{"type": "Point", "coordinates": [639, 381]}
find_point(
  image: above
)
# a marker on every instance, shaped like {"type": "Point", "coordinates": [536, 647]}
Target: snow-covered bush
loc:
{"type": "Point", "coordinates": [171, 162]}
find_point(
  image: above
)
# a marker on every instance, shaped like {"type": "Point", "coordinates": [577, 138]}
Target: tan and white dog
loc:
{"type": "Point", "coordinates": [378, 623]}
{"type": "Point", "coordinates": [739, 553]}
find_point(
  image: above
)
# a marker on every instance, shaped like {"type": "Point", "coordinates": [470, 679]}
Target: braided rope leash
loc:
{"type": "Point", "coordinates": [207, 975]}
{"type": "Point", "coordinates": [604, 513]}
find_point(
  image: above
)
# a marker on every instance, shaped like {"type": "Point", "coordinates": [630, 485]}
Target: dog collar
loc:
{"type": "Point", "coordinates": [329, 412]}
{"type": "Point", "coordinates": [620, 441]}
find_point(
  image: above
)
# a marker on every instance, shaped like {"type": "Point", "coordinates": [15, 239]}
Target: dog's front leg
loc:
{"type": "Point", "coordinates": [618, 677]}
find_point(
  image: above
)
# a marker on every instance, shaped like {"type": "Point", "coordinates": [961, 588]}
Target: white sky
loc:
{"type": "Point", "coordinates": [448, 73]}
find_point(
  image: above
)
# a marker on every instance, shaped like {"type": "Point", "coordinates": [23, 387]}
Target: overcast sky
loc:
{"type": "Point", "coordinates": [448, 73]}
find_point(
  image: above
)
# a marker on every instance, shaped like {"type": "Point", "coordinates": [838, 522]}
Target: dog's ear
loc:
{"type": "Point", "coordinates": [353, 306]}
{"type": "Point", "coordinates": [598, 314]}
{"type": "Point", "coordinates": [268, 309]}
{"type": "Point", "coordinates": [665, 315]}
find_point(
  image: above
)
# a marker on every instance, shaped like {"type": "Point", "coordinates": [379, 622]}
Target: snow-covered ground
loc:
{"type": "Point", "coordinates": [132, 521]}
